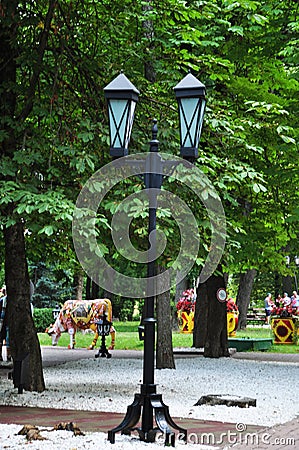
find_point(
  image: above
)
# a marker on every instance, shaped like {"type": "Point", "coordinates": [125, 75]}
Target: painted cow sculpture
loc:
{"type": "Point", "coordinates": [81, 315]}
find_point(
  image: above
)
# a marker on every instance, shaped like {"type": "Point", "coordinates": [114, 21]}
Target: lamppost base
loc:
{"type": "Point", "coordinates": [148, 398]}
{"type": "Point", "coordinates": [103, 353]}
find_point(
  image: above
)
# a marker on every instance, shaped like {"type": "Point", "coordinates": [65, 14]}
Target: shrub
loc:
{"type": "Point", "coordinates": [42, 317]}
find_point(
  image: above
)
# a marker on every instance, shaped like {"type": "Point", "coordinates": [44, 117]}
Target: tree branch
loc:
{"type": "Point", "coordinates": [38, 65]}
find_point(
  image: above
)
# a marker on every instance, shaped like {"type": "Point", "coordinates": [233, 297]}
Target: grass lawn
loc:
{"type": "Point", "coordinates": [127, 338]}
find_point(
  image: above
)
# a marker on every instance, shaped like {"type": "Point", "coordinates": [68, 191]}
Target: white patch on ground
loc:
{"type": "Point", "coordinates": [110, 384]}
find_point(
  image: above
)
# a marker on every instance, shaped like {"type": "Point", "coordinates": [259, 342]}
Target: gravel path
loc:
{"type": "Point", "coordinates": [112, 383]}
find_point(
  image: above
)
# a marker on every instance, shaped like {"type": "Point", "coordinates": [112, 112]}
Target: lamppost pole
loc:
{"type": "Point", "coordinates": [153, 182]}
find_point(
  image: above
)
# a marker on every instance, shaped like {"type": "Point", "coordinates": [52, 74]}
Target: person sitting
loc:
{"type": "Point", "coordinates": [295, 302]}
{"type": "Point", "coordinates": [278, 301]}
{"type": "Point", "coordinates": [286, 299]}
{"type": "Point", "coordinates": [268, 307]}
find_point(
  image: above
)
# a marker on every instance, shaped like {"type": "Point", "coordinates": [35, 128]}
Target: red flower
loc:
{"type": "Point", "coordinates": [187, 302]}
{"type": "Point", "coordinates": [231, 306]}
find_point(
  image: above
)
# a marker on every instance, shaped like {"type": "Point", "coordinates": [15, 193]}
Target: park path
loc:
{"type": "Point", "coordinates": [279, 437]}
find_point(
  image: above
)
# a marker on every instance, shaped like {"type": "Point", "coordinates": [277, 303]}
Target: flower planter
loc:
{"type": "Point", "coordinates": [232, 323]}
{"type": "Point", "coordinates": [285, 330]}
{"type": "Point", "coordinates": [186, 321]}
{"type": "Point", "coordinates": [185, 310]}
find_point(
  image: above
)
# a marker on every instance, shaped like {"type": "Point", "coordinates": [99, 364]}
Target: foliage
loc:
{"type": "Point", "coordinates": [247, 55]}
{"type": "Point", "coordinates": [123, 308]}
{"type": "Point", "coordinates": [42, 317]}
{"type": "Point", "coordinates": [53, 285]}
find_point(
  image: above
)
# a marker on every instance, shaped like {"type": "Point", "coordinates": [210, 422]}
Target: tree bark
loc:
{"type": "Point", "coordinates": [78, 283]}
{"type": "Point", "coordinates": [88, 288]}
{"type": "Point", "coordinates": [201, 317]}
{"type": "Point", "coordinates": [210, 331]}
{"type": "Point", "coordinates": [94, 290]}
{"type": "Point", "coordinates": [287, 285]}
{"type": "Point", "coordinates": [22, 332]}
{"type": "Point", "coordinates": [243, 296]}
{"type": "Point", "coordinates": [164, 348]}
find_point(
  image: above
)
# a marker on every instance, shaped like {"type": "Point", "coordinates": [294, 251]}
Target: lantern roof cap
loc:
{"type": "Point", "coordinates": [121, 83]}
{"type": "Point", "coordinates": [190, 84]}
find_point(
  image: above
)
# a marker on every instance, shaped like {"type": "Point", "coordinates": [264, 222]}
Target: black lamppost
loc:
{"type": "Point", "coordinates": [103, 326]}
{"type": "Point", "coordinates": [122, 97]}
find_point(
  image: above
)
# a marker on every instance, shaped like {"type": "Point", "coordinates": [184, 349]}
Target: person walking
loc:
{"type": "Point", "coordinates": [3, 326]}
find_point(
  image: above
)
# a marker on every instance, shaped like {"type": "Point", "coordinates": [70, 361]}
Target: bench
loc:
{"type": "Point", "coordinates": [256, 316]}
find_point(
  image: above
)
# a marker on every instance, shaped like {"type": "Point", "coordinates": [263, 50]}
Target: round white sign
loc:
{"type": "Point", "coordinates": [221, 295]}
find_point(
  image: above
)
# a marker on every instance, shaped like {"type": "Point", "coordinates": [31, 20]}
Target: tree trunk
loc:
{"type": "Point", "coordinates": [287, 285]}
{"type": "Point", "coordinates": [22, 333]}
{"type": "Point", "coordinates": [94, 290]}
{"type": "Point", "coordinates": [277, 285]}
{"type": "Point", "coordinates": [78, 283]}
{"type": "Point", "coordinates": [243, 296]}
{"type": "Point", "coordinates": [201, 317]}
{"type": "Point", "coordinates": [164, 349]}
{"type": "Point", "coordinates": [88, 288]}
{"type": "Point", "coordinates": [210, 320]}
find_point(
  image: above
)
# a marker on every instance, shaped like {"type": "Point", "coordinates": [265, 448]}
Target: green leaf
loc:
{"type": "Point", "coordinates": [48, 230]}
{"type": "Point", "coordinates": [237, 30]}
{"type": "Point", "coordinates": [288, 139]}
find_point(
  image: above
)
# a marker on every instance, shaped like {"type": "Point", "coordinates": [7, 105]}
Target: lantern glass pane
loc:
{"type": "Point", "coordinates": [117, 119]}
{"type": "Point", "coordinates": [191, 120]}
{"type": "Point", "coordinates": [130, 123]}
{"type": "Point", "coordinates": [188, 125]}
{"type": "Point", "coordinates": [202, 106]}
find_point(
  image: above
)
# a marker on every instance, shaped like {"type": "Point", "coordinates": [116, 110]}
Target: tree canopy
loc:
{"type": "Point", "coordinates": [64, 53]}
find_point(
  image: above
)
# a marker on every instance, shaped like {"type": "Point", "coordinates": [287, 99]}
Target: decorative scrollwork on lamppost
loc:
{"type": "Point", "coordinates": [122, 97]}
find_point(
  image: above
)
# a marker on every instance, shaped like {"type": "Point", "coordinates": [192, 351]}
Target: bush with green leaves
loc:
{"type": "Point", "coordinates": [43, 317]}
